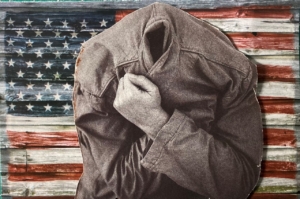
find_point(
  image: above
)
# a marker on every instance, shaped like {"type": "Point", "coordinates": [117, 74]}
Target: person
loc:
{"type": "Point", "coordinates": [165, 107]}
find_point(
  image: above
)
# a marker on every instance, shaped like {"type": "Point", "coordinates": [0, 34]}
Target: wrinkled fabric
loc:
{"type": "Point", "coordinates": [211, 147]}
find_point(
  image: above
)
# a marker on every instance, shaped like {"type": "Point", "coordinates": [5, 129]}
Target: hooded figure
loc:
{"type": "Point", "coordinates": [211, 145]}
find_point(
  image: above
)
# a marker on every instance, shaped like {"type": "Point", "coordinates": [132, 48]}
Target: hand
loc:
{"type": "Point", "coordinates": [139, 101]}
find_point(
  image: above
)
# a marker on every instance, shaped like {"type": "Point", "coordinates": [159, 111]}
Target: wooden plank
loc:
{"type": "Point", "coordinates": [63, 160]}
{"type": "Point", "coordinates": [281, 136]}
{"type": "Point", "coordinates": [56, 184]}
{"type": "Point", "coordinates": [273, 196]}
{"type": "Point", "coordinates": [37, 188]}
{"type": "Point", "coordinates": [193, 4]}
{"type": "Point", "coordinates": [66, 136]}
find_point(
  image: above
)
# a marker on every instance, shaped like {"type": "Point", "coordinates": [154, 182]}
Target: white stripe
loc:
{"type": "Point", "coordinates": [41, 129]}
{"type": "Point", "coordinates": [31, 121]}
{"type": "Point", "coordinates": [254, 25]}
{"type": "Point", "coordinates": [41, 156]}
{"type": "Point", "coordinates": [280, 119]}
{"type": "Point", "coordinates": [283, 182]}
{"type": "Point", "coordinates": [285, 155]}
{"type": "Point", "coordinates": [54, 156]}
{"type": "Point", "coordinates": [278, 89]}
{"type": "Point", "coordinates": [250, 51]}
{"type": "Point", "coordinates": [41, 188]}
{"type": "Point", "coordinates": [291, 60]}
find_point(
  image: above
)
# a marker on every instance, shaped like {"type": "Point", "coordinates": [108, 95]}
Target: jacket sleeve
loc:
{"type": "Point", "coordinates": [222, 163]}
{"type": "Point", "coordinates": [115, 147]}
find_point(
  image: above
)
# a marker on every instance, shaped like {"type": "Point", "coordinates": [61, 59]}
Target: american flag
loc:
{"type": "Point", "coordinates": [39, 146]}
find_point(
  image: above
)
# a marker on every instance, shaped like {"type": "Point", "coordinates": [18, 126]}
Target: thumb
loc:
{"type": "Point", "coordinates": [142, 82]}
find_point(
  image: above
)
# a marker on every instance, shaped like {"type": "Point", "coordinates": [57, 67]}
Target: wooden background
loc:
{"type": "Point", "coordinates": [40, 156]}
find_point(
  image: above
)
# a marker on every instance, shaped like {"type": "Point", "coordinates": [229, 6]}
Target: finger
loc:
{"type": "Point", "coordinates": [142, 82]}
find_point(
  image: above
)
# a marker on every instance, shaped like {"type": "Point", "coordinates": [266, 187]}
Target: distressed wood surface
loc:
{"type": "Point", "coordinates": [46, 160]}
{"type": "Point", "coordinates": [252, 196]}
{"type": "Point", "coordinates": [192, 4]}
{"type": "Point", "coordinates": [41, 155]}
{"type": "Point", "coordinates": [65, 184]}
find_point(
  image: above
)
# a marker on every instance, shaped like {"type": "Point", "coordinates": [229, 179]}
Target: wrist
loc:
{"type": "Point", "coordinates": [157, 119]}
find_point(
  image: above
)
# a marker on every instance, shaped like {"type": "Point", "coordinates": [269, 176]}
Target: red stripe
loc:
{"type": "Point", "coordinates": [277, 106]}
{"type": "Point", "coordinates": [279, 137]}
{"type": "Point", "coordinates": [45, 197]}
{"type": "Point", "coordinates": [278, 73]}
{"type": "Point", "coordinates": [276, 12]}
{"type": "Point", "coordinates": [43, 168]}
{"type": "Point", "coordinates": [45, 139]}
{"type": "Point", "coordinates": [279, 174]}
{"type": "Point", "coordinates": [269, 41]}
{"type": "Point", "coordinates": [278, 166]}
{"type": "Point", "coordinates": [272, 196]}
{"type": "Point", "coordinates": [17, 177]}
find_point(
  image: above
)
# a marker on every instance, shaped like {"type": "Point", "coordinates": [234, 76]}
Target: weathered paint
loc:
{"type": "Point", "coordinates": [281, 73]}
{"type": "Point", "coordinates": [43, 177]}
{"type": "Point", "coordinates": [273, 196]}
{"type": "Point", "coordinates": [275, 12]}
{"type": "Point", "coordinates": [271, 41]}
{"type": "Point", "coordinates": [45, 139]}
{"type": "Point", "coordinates": [278, 166]}
{"type": "Point", "coordinates": [280, 137]}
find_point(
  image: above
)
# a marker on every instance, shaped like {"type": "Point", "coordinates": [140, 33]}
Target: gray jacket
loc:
{"type": "Point", "coordinates": [212, 145]}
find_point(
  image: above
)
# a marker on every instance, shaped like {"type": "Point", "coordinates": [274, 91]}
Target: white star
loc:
{"type": "Point", "coordinates": [67, 86]}
{"type": "Point", "coordinates": [12, 84]}
{"type": "Point", "coordinates": [10, 22]}
{"type": "Point", "coordinates": [20, 52]}
{"type": "Point", "coordinates": [83, 23]}
{"type": "Point", "coordinates": [67, 107]}
{"type": "Point", "coordinates": [75, 55]}
{"type": "Point", "coordinates": [20, 73]}
{"type": "Point", "coordinates": [66, 45]}
{"type": "Point", "coordinates": [74, 34]}
{"type": "Point", "coordinates": [10, 42]}
{"type": "Point", "coordinates": [20, 95]}
{"type": "Point", "coordinates": [82, 42]}
{"type": "Point", "coordinates": [20, 33]}
{"type": "Point", "coordinates": [30, 86]}
{"type": "Point", "coordinates": [65, 24]}
{"type": "Point", "coordinates": [57, 54]}
{"type": "Point", "coordinates": [39, 75]}
{"type": "Point", "coordinates": [39, 96]}
{"type": "Point", "coordinates": [11, 63]}
{"type": "Point", "coordinates": [57, 97]}
{"type": "Point", "coordinates": [48, 23]}
{"type": "Point", "coordinates": [48, 43]}
{"type": "Point", "coordinates": [38, 33]}
{"type": "Point", "coordinates": [57, 33]}
{"type": "Point", "coordinates": [12, 107]}
{"type": "Point", "coordinates": [29, 43]}
{"type": "Point", "coordinates": [57, 75]}
{"type": "Point", "coordinates": [48, 65]}
{"type": "Point", "coordinates": [28, 22]}
{"type": "Point", "coordinates": [38, 53]}
{"type": "Point", "coordinates": [48, 86]}
{"type": "Point", "coordinates": [103, 23]}
{"type": "Point", "coordinates": [48, 108]}
{"type": "Point", "coordinates": [66, 65]}
{"type": "Point", "coordinates": [29, 64]}
{"type": "Point", "coordinates": [29, 107]}
{"type": "Point", "coordinates": [93, 33]}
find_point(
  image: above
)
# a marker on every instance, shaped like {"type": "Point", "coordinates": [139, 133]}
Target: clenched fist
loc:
{"type": "Point", "coordinates": [139, 101]}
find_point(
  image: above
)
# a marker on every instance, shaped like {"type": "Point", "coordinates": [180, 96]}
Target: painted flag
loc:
{"type": "Point", "coordinates": [39, 145]}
